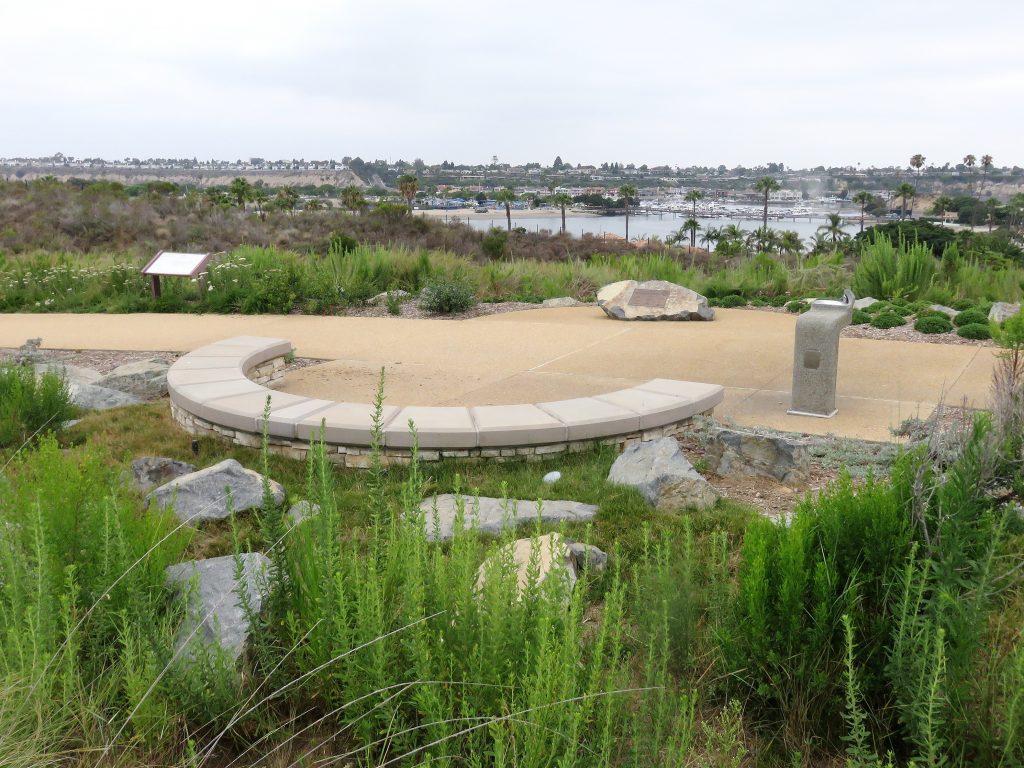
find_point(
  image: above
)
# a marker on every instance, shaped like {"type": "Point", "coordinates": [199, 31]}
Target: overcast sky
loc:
{"type": "Point", "coordinates": [737, 82]}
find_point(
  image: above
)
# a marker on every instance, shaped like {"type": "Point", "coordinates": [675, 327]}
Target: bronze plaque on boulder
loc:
{"type": "Point", "coordinates": [648, 297]}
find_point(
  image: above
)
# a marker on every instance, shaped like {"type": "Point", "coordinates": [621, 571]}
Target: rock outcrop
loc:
{"type": "Point", "coordinates": [653, 300]}
{"type": "Point", "coordinates": [491, 515]}
{"type": "Point", "coordinates": [203, 495]}
{"type": "Point", "coordinates": [659, 470]}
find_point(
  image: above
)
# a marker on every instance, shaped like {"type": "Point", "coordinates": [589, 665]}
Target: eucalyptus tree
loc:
{"type": "Point", "coordinates": [628, 193]}
{"type": "Point", "coordinates": [506, 196]}
{"type": "Point", "coordinates": [408, 186]}
{"type": "Point", "coordinates": [905, 191]}
{"type": "Point", "coordinates": [917, 163]}
{"type": "Point", "coordinates": [767, 185]}
{"type": "Point", "coordinates": [832, 229]}
{"type": "Point", "coordinates": [862, 199]}
{"type": "Point", "coordinates": [562, 199]}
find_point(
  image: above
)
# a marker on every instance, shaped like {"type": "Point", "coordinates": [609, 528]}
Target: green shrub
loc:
{"type": "Point", "coordinates": [971, 317]}
{"type": "Point", "coordinates": [31, 405]}
{"type": "Point", "coordinates": [797, 306]}
{"type": "Point", "coordinates": [974, 331]}
{"type": "Point", "coordinates": [887, 320]}
{"type": "Point", "coordinates": [860, 317]}
{"type": "Point", "coordinates": [961, 305]}
{"type": "Point", "coordinates": [878, 306]}
{"type": "Point", "coordinates": [757, 301]}
{"type": "Point", "coordinates": [888, 270]}
{"type": "Point", "coordinates": [796, 581]}
{"type": "Point", "coordinates": [778, 301]}
{"type": "Point", "coordinates": [448, 295]}
{"type": "Point", "coordinates": [933, 324]}
{"type": "Point", "coordinates": [495, 242]}
{"type": "Point", "coordinates": [732, 301]}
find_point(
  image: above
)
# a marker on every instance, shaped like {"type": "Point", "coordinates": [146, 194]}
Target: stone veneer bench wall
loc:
{"type": "Point", "coordinates": [221, 390]}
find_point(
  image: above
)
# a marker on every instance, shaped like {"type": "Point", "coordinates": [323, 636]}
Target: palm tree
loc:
{"type": "Point", "coordinates": [287, 198]}
{"type": "Point", "coordinates": [693, 196]}
{"type": "Point", "coordinates": [904, 191]}
{"type": "Point", "coordinates": [970, 160]}
{"type": "Point", "coordinates": [917, 163]}
{"type": "Point", "coordinates": [833, 229]}
{"type": "Point", "coordinates": [790, 244]}
{"type": "Point", "coordinates": [762, 239]}
{"type": "Point", "coordinates": [506, 196]}
{"type": "Point", "coordinates": [352, 198]}
{"type": "Point", "coordinates": [241, 190]}
{"type": "Point", "coordinates": [862, 199]}
{"type": "Point", "coordinates": [562, 199]}
{"type": "Point", "coordinates": [408, 186]}
{"type": "Point", "coordinates": [628, 194]}
{"type": "Point", "coordinates": [710, 237]}
{"type": "Point", "coordinates": [986, 166]}
{"type": "Point", "coordinates": [692, 226]}
{"type": "Point", "coordinates": [767, 185]}
{"type": "Point", "coordinates": [260, 197]}
{"type": "Point", "coordinates": [314, 205]}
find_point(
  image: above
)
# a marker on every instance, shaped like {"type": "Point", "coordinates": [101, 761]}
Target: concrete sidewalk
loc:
{"type": "Point", "coordinates": [550, 354]}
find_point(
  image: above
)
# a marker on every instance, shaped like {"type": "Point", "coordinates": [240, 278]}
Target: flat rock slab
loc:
{"type": "Point", "coordinates": [73, 374]}
{"type": "Point", "coordinates": [562, 301]}
{"type": "Point", "coordinates": [662, 474]}
{"type": "Point", "coordinates": [93, 397]}
{"type": "Point", "coordinates": [301, 511]}
{"type": "Point", "coordinates": [146, 379]}
{"type": "Point", "coordinates": [152, 471]}
{"type": "Point", "coordinates": [735, 452]}
{"type": "Point", "coordinates": [864, 303]}
{"type": "Point", "coordinates": [203, 495]}
{"type": "Point", "coordinates": [492, 515]}
{"type": "Point", "coordinates": [213, 614]}
{"type": "Point", "coordinates": [653, 300]}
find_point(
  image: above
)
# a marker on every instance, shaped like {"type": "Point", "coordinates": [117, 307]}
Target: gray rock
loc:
{"type": "Point", "coordinates": [660, 471]}
{"type": "Point", "coordinates": [553, 560]}
{"type": "Point", "coordinates": [301, 511]}
{"type": "Point", "coordinates": [203, 495]}
{"type": "Point", "coordinates": [563, 301]}
{"type": "Point", "coordinates": [146, 379]}
{"type": "Point", "coordinates": [71, 373]}
{"type": "Point", "coordinates": [213, 613]}
{"type": "Point", "coordinates": [96, 398]}
{"type": "Point", "coordinates": [1002, 311]}
{"type": "Point", "coordinates": [491, 515]}
{"type": "Point", "coordinates": [587, 557]}
{"type": "Point", "coordinates": [864, 303]}
{"type": "Point", "coordinates": [948, 311]}
{"type": "Point", "coordinates": [653, 300]}
{"type": "Point", "coordinates": [381, 298]}
{"type": "Point", "coordinates": [28, 353]}
{"type": "Point", "coordinates": [151, 471]}
{"type": "Point", "coordinates": [735, 452]}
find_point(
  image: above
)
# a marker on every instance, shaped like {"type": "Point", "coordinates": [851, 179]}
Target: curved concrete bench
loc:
{"type": "Point", "coordinates": [219, 389]}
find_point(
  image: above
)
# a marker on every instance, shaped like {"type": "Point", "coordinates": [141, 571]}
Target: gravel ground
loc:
{"type": "Point", "coordinates": [411, 311]}
{"type": "Point", "coordinates": [106, 360]}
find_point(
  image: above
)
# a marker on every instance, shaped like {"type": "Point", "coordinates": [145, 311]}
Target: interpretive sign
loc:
{"type": "Point", "coordinates": [649, 297]}
{"type": "Point", "coordinates": [171, 264]}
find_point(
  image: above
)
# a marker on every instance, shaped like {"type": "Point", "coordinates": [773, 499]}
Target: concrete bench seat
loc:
{"type": "Point", "coordinates": [220, 388]}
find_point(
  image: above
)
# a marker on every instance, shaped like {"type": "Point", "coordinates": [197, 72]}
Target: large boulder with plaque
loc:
{"type": "Point", "coordinates": [653, 300]}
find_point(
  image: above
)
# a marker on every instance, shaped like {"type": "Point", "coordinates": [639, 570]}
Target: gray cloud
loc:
{"type": "Point", "coordinates": [801, 82]}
